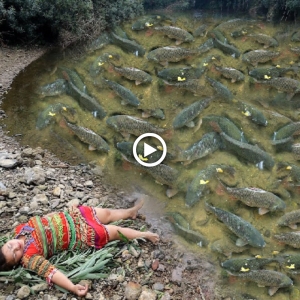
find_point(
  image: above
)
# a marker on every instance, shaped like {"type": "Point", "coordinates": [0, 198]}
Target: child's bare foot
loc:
{"type": "Point", "coordinates": [153, 237]}
{"type": "Point", "coordinates": [136, 208]}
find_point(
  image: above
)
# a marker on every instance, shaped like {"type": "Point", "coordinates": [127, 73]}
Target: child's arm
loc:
{"type": "Point", "coordinates": [61, 280]}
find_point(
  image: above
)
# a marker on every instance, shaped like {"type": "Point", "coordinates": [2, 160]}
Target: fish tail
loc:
{"type": "Point", "coordinates": [168, 134]}
{"type": "Point", "coordinates": [208, 207]}
{"type": "Point", "coordinates": [280, 166]}
{"type": "Point", "coordinates": [295, 69]}
{"type": "Point", "coordinates": [215, 126]}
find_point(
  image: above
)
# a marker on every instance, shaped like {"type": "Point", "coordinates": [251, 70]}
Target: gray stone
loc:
{"type": "Point", "coordinates": [8, 163]}
{"type": "Point", "coordinates": [73, 202]}
{"type": "Point", "coordinates": [12, 195]}
{"type": "Point", "coordinates": [89, 183]}
{"type": "Point", "coordinates": [161, 268]}
{"type": "Point", "coordinates": [40, 287]}
{"type": "Point", "coordinates": [48, 297]}
{"type": "Point", "coordinates": [2, 187]}
{"type": "Point", "coordinates": [35, 175]}
{"type": "Point", "coordinates": [148, 294]}
{"type": "Point", "coordinates": [56, 192]}
{"type": "Point", "coordinates": [93, 202]}
{"type": "Point", "coordinates": [24, 210]}
{"type": "Point", "coordinates": [177, 275]}
{"type": "Point", "coordinates": [23, 292]}
{"type": "Point", "coordinates": [10, 297]}
{"type": "Point", "coordinates": [158, 286]}
{"type": "Point", "coordinates": [132, 290]}
{"type": "Point", "coordinates": [79, 195]}
{"type": "Point", "coordinates": [166, 296]}
{"type": "Point", "coordinates": [27, 153]}
{"type": "Point", "coordinates": [34, 205]}
{"type": "Point", "coordinates": [134, 252]}
{"type": "Point", "coordinates": [22, 219]}
{"type": "Point", "coordinates": [40, 198]}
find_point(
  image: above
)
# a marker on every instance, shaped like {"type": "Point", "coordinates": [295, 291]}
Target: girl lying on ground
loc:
{"type": "Point", "coordinates": [78, 228]}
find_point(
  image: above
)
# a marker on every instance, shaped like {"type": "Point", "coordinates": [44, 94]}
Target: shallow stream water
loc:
{"type": "Point", "coordinates": [23, 106]}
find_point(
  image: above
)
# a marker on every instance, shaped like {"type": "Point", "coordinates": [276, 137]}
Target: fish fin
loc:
{"type": "Point", "coordinates": [178, 42]}
{"type": "Point", "coordinates": [260, 285]}
{"type": "Point", "coordinates": [164, 63]}
{"type": "Point", "coordinates": [228, 254]}
{"type": "Point", "coordinates": [187, 162]}
{"type": "Point", "coordinates": [263, 211]}
{"type": "Point", "coordinates": [190, 124]}
{"type": "Point", "coordinates": [137, 82]}
{"type": "Point", "coordinates": [171, 192]}
{"type": "Point", "coordinates": [123, 102]}
{"type": "Point", "coordinates": [273, 290]}
{"type": "Point", "coordinates": [240, 243]}
{"type": "Point", "coordinates": [233, 80]}
{"type": "Point", "coordinates": [215, 126]}
{"type": "Point", "coordinates": [220, 190]}
{"type": "Point", "coordinates": [126, 135]}
{"type": "Point", "coordinates": [167, 83]}
{"type": "Point", "coordinates": [293, 226]}
{"type": "Point", "coordinates": [63, 123]}
{"type": "Point", "coordinates": [198, 125]}
{"type": "Point", "coordinates": [92, 148]}
{"type": "Point", "coordinates": [145, 115]}
{"type": "Point", "coordinates": [289, 96]}
{"type": "Point", "coordinates": [168, 134]}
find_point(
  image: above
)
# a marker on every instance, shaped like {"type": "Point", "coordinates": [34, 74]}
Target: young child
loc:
{"type": "Point", "coordinates": [78, 228]}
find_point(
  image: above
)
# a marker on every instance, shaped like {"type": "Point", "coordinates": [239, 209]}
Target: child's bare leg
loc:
{"type": "Point", "coordinates": [131, 234]}
{"type": "Point", "coordinates": [110, 215]}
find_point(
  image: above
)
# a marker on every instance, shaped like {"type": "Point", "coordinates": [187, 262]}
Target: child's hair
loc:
{"type": "Point", "coordinates": [4, 266]}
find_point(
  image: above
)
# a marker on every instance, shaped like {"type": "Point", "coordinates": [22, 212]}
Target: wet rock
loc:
{"type": "Point", "coordinates": [2, 204]}
{"type": "Point", "coordinates": [48, 297]}
{"type": "Point", "coordinates": [158, 286]}
{"type": "Point", "coordinates": [40, 287]}
{"type": "Point", "coordinates": [34, 205]}
{"type": "Point", "coordinates": [8, 163]}
{"type": "Point", "coordinates": [56, 192]}
{"type": "Point", "coordinates": [40, 198]}
{"type": "Point", "coordinates": [10, 297]}
{"type": "Point", "coordinates": [147, 294]}
{"type": "Point", "coordinates": [79, 195]}
{"type": "Point", "coordinates": [23, 292]}
{"type": "Point", "coordinates": [132, 291]}
{"type": "Point", "coordinates": [73, 202]}
{"type": "Point", "coordinates": [89, 183]}
{"type": "Point", "coordinates": [35, 175]}
{"type": "Point", "coordinates": [12, 195]}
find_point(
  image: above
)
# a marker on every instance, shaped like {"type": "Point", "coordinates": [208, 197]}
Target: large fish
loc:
{"type": "Point", "coordinates": [134, 74]}
{"type": "Point", "coordinates": [296, 151]}
{"type": "Point", "coordinates": [233, 74]}
{"type": "Point", "coordinates": [201, 30]}
{"type": "Point", "coordinates": [295, 50]}
{"type": "Point", "coordinates": [55, 88]}
{"type": "Point", "coordinates": [226, 247]}
{"type": "Point", "coordinates": [255, 197]}
{"type": "Point", "coordinates": [204, 64]}
{"type": "Point", "coordinates": [176, 33]}
{"type": "Point", "coordinates": [99, 63]}
{"type": "Point", "coordinates": [289, 171]}
{"type": "Point", "coordinates": [73, 77]}
{"type": "Point", "coordinates": [226, 48]}
{"type": "Point", "coordinates": [128, 45]}
{"type": "Point", "coordinates": [98, 43]}
{"type": "Point", "coordinates": [95, 141]}
{"type": "Point", "coordinates": [198, 185]}
{"type": "Point", "coordinates": [132, 125]}
{"type": "Point", "coordinates": [194, 86]}
{"type": "Point", "coordinates": [48, 114]}
{"type": "Point", "coordinates": [283, 84]}
{"type": "Point", "coordinates": [234, 24]}
{"type": "Point", "coordinates": [271, 72]}
{"type": "Point", "coordinates": [188, 114]}
{"type": "Point", "coordinates": [287, 131]}
{"type": "Point", "coordinates": [226, 125]}
{"type": "Point", "coordinates": [127, 96]}
{"type": "Point", "coordinates": [296, 36]}
{"type": "Point", "coordinates": [244, 230]}
{"type": "Point", "coordinates": [209, 44]}
{"type": "Point", "coordinates": [208, 144]}
{"type": "Point", "coordinates": [248, 152]}
{"type": "Point", "coordinates": [216, 34]}
{"type": "Point", "coordinates": [236, 265]}
{"type": "Point", "coordinates": [290, 219]}
{"type": "Point", "coordinates": [289, 238]}
{"type": "Point", "coordinates": [180, 74]}
{"type": "Point", "coordinates": [252, 113]}
{"type": "Point", "coordinates": [221, 90]}
{"type": "Point", "coordinates": [165, 54]}
{"type": "Point", "coordinates": [290, 263]}
{"type": "Point", "coordinates": [264, 39]}
{"type": "Point", "coordinates": [272, 279]}
{"type": "Point", "coordinates": [259, 56]}
{"type": "Point", "coordinates": [182, 227]}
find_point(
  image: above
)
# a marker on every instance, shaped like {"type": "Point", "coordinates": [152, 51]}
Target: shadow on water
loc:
{"type": "Point", "coordinates": [23, 106]}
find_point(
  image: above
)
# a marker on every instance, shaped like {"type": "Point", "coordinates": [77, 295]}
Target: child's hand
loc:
{"type": "Point", "coordinates": [80, 290]}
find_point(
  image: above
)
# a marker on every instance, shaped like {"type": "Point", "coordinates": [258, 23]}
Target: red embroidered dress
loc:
{"type": "Point", "coordinates": [78, 228]}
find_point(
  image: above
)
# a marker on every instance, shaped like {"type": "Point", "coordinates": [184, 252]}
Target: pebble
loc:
{"type": "Point", "coordinates": [89, 183]}
{"type": "Point", "coordinates": [158, 286]}
{"type": "Point", "coordinates": [73, 202]}
{"type": "Point", "coordinates": [132, 290]}
{"type": "Point", "coordinates": [40, 198]}
{"type": "Point", "coordinates": [40, 287]}
{"type": "Point", "coordinates": [8, 163]}
{"type": "Point", "coordinates": [23, 292]}
{"type": "Point", "coordinates": [56, 192]}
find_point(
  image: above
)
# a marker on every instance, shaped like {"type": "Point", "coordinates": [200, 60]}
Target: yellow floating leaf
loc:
{"type": "Point", "coordinates": [267, 77]}
{"type": "Point", "coordinates": [246, 113]}
{"type": "Point", "coordinates": [165, 125]}
{"type": "Point", "coordinates": [291, 62]}
{"type": "Point", "coordinates": [64, 108]}
{"type": "Point", "coordinates": [181, 79]}
{"type": "Point", "coordinates": [110, 56]}
{"type": "Point", "coordinates": [234, 100]}
{"type": "Point", "coordinates": [219, 170]}
{"type": "Point", "coordinates": [160, 148]}
{"type": "Point", "coordinates": [142, 158]}
{"type": "Point", "coordinates": [204, 182]}
{"type": "Point", "coordinates": [244, 270]}
{"type": "Point", "coordinates": [289, 168]}
{"type": "Point", "coordinates": [148, 24]}
{"type": "Point", "coordinates": [292, 266]}
{"type": "Point", "coordinates": [51, 114]}
{"type": "Point", "coordinates": [213, 57]}
{"type": "Point", "coordinates": [258, 256]}
{"type": "Point", "coordinates": [205, 64]}
{"type": "Point", "coordinates": [100, 64]}
{"type": "Point", "coordinates": [278, 66]}
{"type": "Point", "coordinates": [158, 17]}
{"type": "Point", "coordinates": [275, 252]}
{"type": "Point", "coordinates": [244, 32]}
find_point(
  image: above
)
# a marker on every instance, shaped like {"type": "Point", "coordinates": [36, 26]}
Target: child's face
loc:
{"type": "Point", "coordinates": [13, 251]}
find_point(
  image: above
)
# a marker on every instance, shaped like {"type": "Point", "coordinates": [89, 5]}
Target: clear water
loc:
{"type": "Point", "coordinates": [23, 106]}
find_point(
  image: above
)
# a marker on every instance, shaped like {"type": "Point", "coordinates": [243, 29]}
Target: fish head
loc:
{"type": "Point", "coordinates": [125, 147]}
{"type": "Point", "coordinates": [152, 56]}
{"type": "Point", "coordinates": [279, 205]}
{"type": "Point", "coordinates": [159, 113]}
{"type": "Point", "coordinates": [112, 122]}
{"type": "Point", "coordinates": [245, 58]}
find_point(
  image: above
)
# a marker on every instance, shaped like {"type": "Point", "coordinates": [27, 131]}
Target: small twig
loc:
{"type": "Point", "coordinates": [202, 295]}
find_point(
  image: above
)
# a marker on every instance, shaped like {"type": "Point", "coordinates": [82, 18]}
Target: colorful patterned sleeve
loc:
{"type": "Point", "coordinates": [33, 261]}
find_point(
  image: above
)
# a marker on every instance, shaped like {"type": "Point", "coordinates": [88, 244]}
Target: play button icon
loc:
{"type": "Point", "coordinates": [148, 150]}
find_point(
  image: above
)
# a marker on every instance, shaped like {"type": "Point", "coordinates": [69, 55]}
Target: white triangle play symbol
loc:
{"type": "Point", "coordinates": [148, 150]}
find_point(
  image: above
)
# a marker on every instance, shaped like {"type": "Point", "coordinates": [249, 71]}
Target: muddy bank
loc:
{"type": "Point", "coordinates": [171, 272]}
